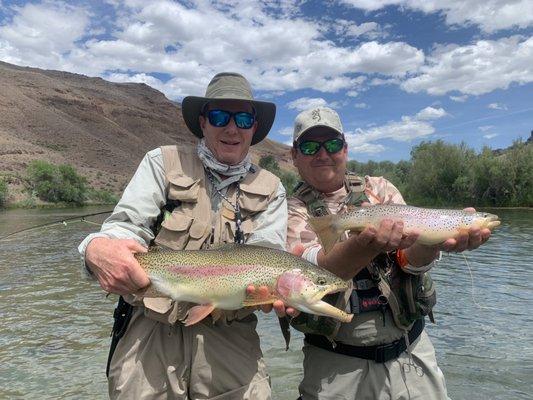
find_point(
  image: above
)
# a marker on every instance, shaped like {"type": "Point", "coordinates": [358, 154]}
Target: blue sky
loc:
{"type": "Point", "coordinates": [397, 71]}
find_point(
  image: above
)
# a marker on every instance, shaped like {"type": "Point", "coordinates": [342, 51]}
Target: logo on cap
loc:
{"type": "Point", "coordinates": [315, 114]}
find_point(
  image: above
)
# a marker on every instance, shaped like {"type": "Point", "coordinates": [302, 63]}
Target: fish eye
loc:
{"type": "Point", "coordinates": [321, 280]}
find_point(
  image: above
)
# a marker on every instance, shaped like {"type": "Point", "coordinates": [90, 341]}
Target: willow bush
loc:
{"type": "Point", "coordinates": [444, 174]}
{"type": "Point", "coordinates": [3, 193]}
{"type": "Point", "coordinates": [56, 184]}
{"type": "Point", "coordinates": [288, 179]}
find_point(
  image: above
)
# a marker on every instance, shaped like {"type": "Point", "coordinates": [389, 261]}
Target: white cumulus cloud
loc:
{"type": "Point", "coordinates": [475, 69]}
{"type": "Point", "coordinates": [286, 131]}
{"type": "Point", "coordinates": [42, 35]}
{"type": "Point", "coordinates": [408, 128]}
{"type": "Point", "coordinates": [497, 106]}
{"type": "Point", "coordinates": [459, 99]}
{"type": "Point", "coordinates": [490, 16]}
{"type": "Point", "coordinates": [430, 113]}
{"type": "Point", "coordinates": [304, 103]}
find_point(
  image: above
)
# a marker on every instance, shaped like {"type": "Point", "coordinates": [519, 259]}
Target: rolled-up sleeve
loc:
{"type": "Point", "coordinates": [139, 205]}
{"type": "Point", "coordinates": [271, 225]}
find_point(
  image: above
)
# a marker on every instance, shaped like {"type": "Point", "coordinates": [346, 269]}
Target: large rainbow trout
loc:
{"type": "Point", "coordinates": [434, 225]}
{"type": "Point", "coordinates": [217, 279]}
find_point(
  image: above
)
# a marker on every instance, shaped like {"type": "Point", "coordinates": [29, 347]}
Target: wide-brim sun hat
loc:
{"type": "Point", "coordinates": [228, 86]}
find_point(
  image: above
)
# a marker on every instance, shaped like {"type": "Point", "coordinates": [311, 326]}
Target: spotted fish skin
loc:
{"type": "Point", "coordinates": [218, 278]}
{"type": "Point", "coordinates": [434, 225]}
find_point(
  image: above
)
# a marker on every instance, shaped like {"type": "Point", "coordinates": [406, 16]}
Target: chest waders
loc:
{"type": "Point", "coordinates": [381, 286]}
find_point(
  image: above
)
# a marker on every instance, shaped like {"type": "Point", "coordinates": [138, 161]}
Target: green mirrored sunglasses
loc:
{"type": "Point", "coordinates": [311, 147]}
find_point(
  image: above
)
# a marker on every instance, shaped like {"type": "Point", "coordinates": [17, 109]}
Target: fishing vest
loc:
{"type": "Point", "coordinates": [381, 285]}
{"type": "Point", "coordinates": [191, 224]}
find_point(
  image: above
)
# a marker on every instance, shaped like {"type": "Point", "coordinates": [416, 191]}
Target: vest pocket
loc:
{"type": "Point", "coordinates": [256, 198]}
{"type": "Point", "coordinates": [174, 232]}
{"type": "Point", "coordinates": [183, 188]}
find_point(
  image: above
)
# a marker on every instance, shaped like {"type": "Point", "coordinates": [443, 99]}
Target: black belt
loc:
{"type": "Point", "coordinates": [379, 354]}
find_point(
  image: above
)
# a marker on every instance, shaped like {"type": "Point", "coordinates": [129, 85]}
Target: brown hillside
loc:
{"type": "Point", "coordinates": [101, 128]}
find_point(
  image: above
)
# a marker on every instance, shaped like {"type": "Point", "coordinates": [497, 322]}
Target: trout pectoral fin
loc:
{"type": "Point", "coordinates": [198, 313]}
{"type": "Point", "coordinates": [327, 310]}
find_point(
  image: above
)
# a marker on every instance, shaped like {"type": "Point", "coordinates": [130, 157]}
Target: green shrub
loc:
{"type": "Point", "coordinates": [56, 183]}
{"type": "Point", "coordinates": [3, 192]}
{"type": "Point", "coordinates": [103, 197]}
{"type": "Point", "coordinates": [270, 164]}
{"type": "Point", "coordinates": [288, 179]}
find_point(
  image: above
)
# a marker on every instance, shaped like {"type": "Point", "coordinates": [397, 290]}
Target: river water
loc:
{"type": "Point", "coordinates": [55, 325]}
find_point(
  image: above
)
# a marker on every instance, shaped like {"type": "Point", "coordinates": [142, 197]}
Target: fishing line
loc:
{"type": "Point", "coordinates": [61, 221]}
{"type": "Point", "coordinates": [472, 287]}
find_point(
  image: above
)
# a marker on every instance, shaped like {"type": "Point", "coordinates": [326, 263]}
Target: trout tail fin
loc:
{"type": "Point", "coordinates": [326, 229]}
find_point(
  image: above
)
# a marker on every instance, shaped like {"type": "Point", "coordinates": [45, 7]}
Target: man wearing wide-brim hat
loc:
{"type": "Point", "coordinates": [191, 198]}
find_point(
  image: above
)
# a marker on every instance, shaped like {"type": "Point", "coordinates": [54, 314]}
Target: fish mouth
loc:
{"type": "Point", "coordinates": [328, 290]}
{"type": "Point", "coordinates": [491, 221]}
{"type": "Point", "coordinates": [325, 309]}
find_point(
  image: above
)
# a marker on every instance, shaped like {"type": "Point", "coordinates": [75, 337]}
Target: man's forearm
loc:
{"type": "Point", "coordinates": [419, 255]}
{"type": "Point", "coordinates": [346, 258]}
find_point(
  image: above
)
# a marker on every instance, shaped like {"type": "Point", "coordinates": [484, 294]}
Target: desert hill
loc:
{"type": "Point", "coordinates": [101, 128]}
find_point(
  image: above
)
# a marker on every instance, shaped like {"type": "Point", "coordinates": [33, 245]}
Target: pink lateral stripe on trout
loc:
{"type": "Point", "coordinates": [217, 279]}
{"type": "Point", "coordinates": [434, 225]}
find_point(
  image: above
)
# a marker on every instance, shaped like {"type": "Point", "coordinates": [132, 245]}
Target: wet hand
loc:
{"type": "Point", "coordinates": [388, 236]}
{"type": "Point", "coordinates": [114, 266]}
{"type": "Point", "coordinates": [467, 240]}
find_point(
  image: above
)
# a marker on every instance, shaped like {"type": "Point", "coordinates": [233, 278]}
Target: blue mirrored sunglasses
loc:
{"type": "Point", "coordinates": [311, 147]}
{"type": "Point", "coordinates": [220, 118]}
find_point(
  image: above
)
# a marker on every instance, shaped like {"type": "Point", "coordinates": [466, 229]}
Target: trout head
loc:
{"type": "Point", "coordinates": [305, 290]}
{"type": "Point", "coordinates": [483, 220]}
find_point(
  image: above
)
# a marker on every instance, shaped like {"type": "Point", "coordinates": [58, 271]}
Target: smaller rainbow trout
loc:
{"type": "Point", "coordinates": [434, 225]}
{"type": "Point", "coordinates": [217, 279]}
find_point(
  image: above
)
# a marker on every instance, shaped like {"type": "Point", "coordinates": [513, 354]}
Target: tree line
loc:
{"type": "Point", "coordinates": [441, 174]}
{"type": "Point", "coordinates": [444, 174]}
{"type": "Point", "coordinates": [438, 174]}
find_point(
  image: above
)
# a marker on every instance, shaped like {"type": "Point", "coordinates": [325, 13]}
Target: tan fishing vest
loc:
{"type": "Point", "coordinates": [190, 225]}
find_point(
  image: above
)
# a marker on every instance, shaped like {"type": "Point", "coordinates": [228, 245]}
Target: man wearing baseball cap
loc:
{"type": "Point", "coordinates": [383, 353]}
{"type": "Point", "coordinates": [191, 198]}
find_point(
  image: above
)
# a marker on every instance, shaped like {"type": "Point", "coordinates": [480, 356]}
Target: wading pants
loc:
{"type": "Point", "coordinates": [331, 376]}
{"type": "Point", "coordinates": [154, 360]}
